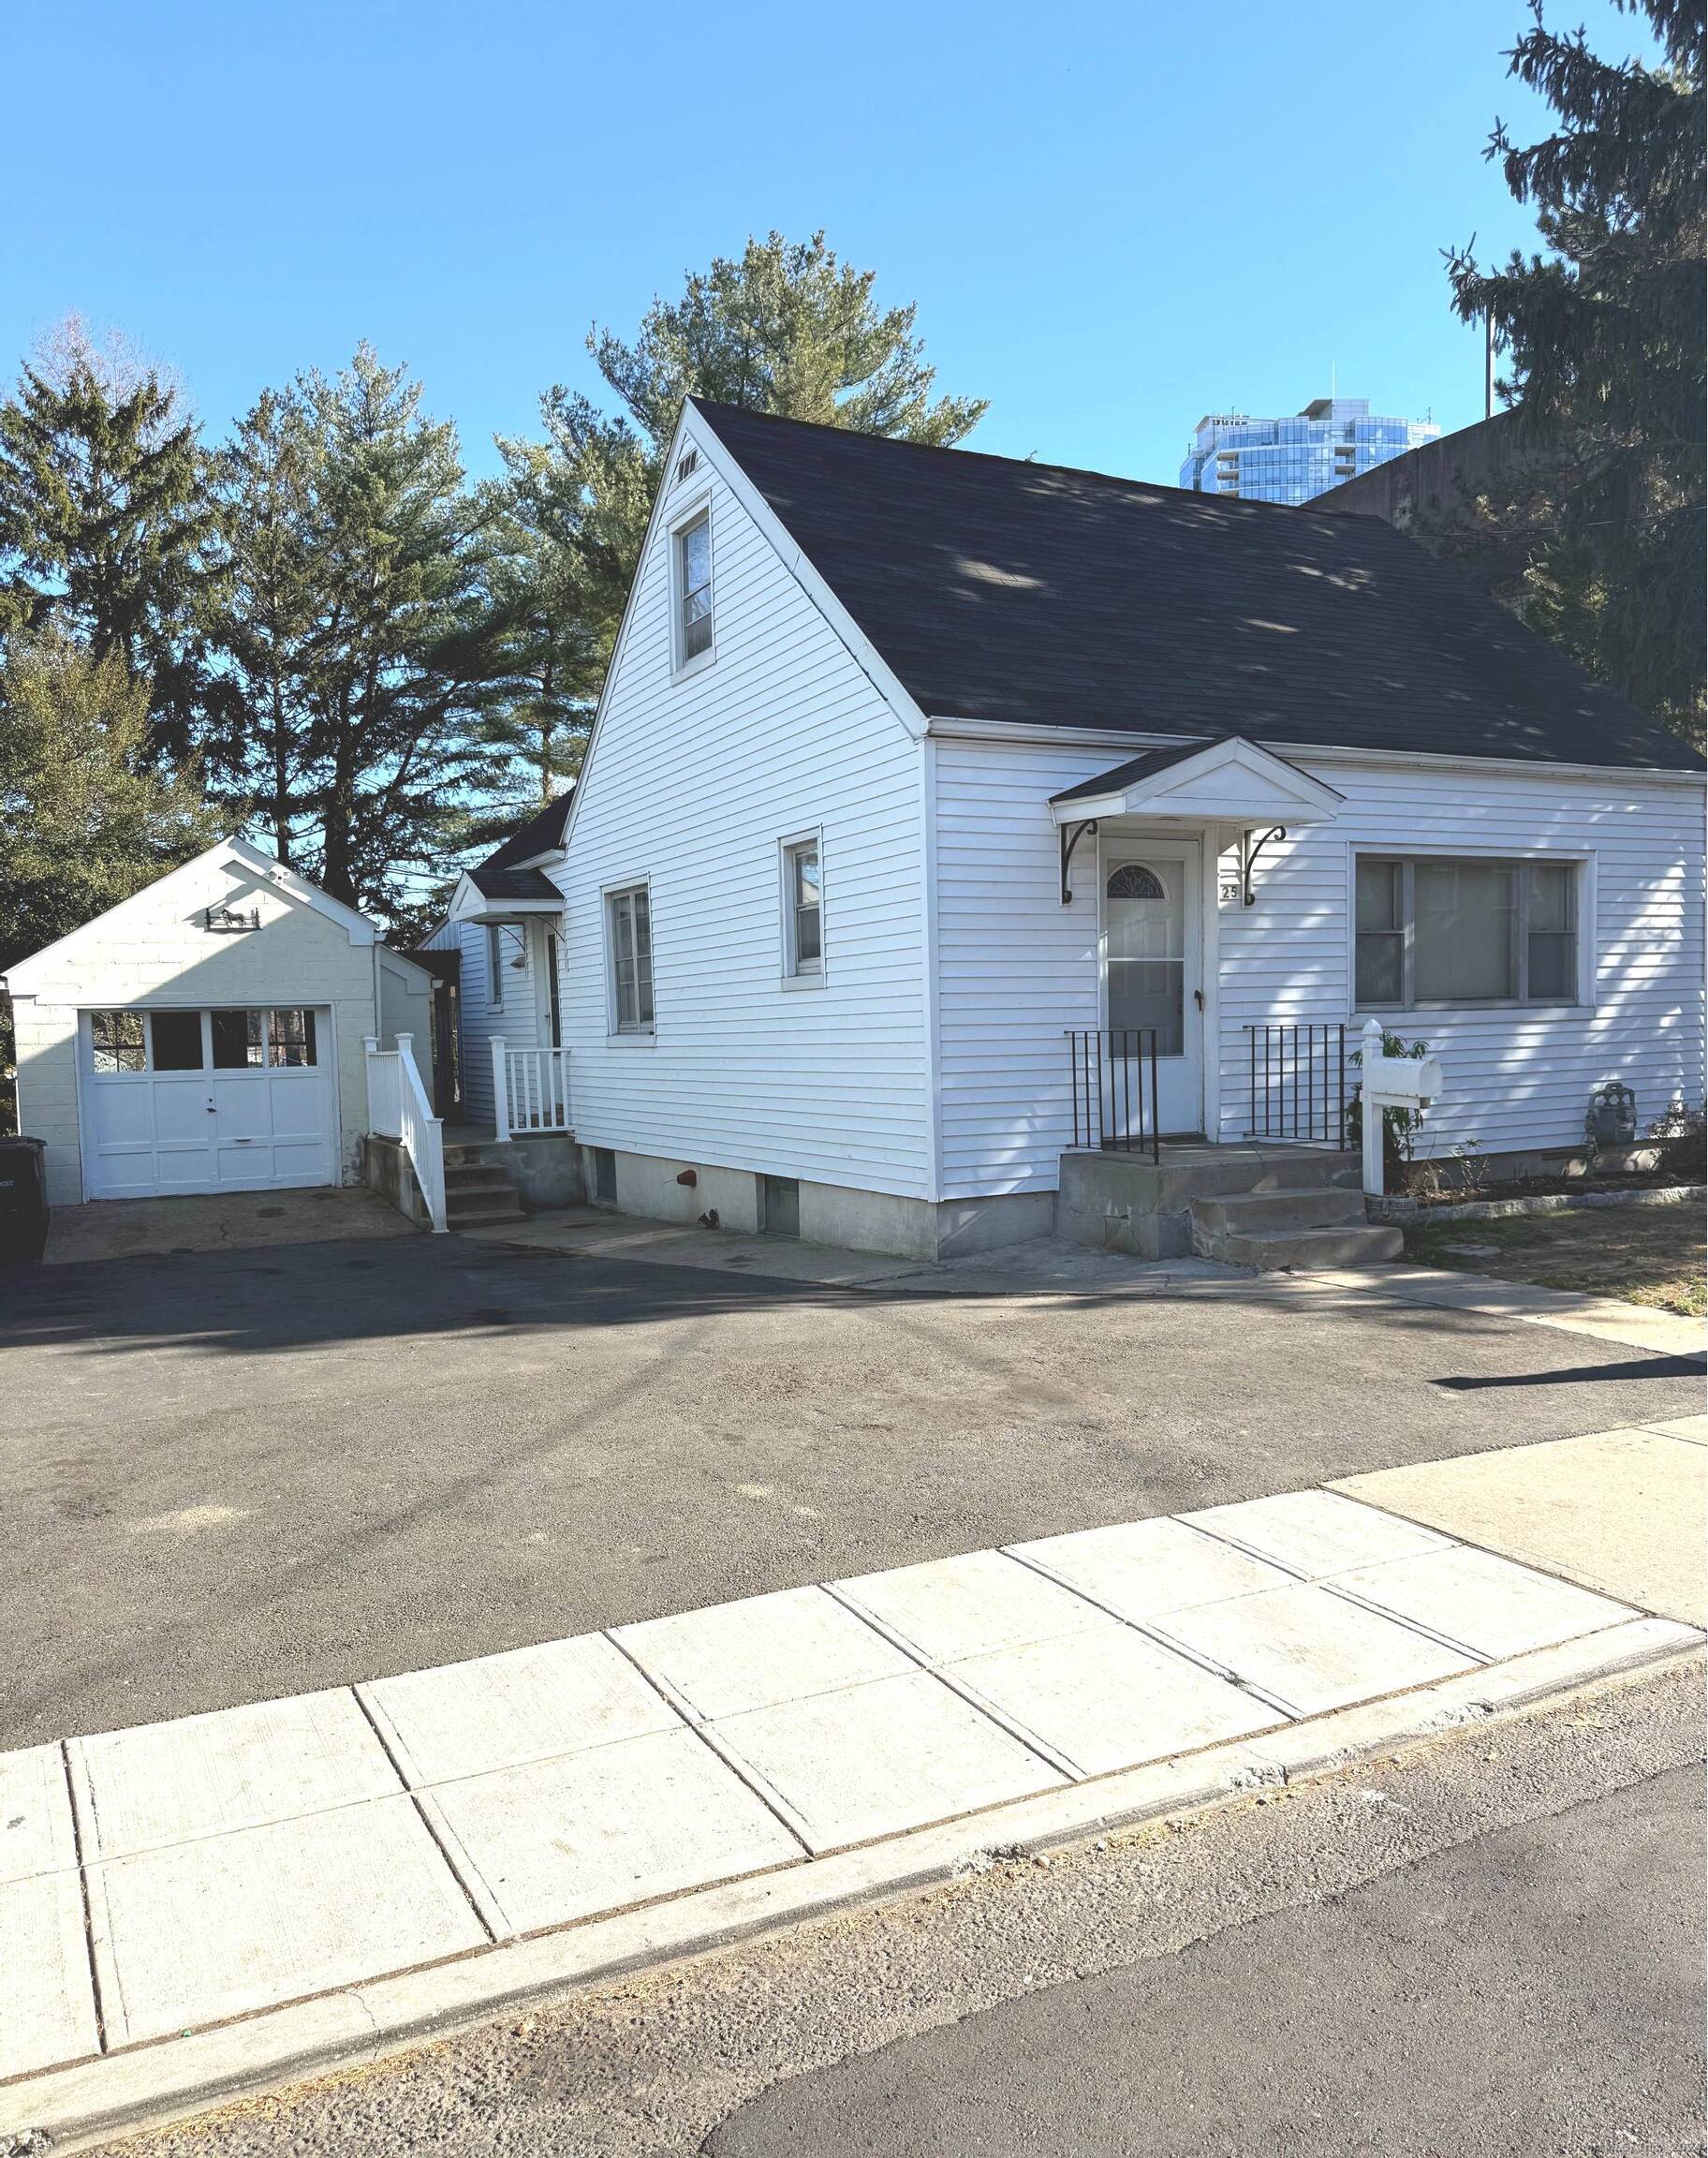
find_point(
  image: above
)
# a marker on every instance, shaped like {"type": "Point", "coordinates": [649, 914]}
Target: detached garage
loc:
{"type": "Point", "coordinates": [207, 1035]}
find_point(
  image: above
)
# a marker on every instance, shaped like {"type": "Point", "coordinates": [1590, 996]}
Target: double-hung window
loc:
{"type": "Point", "coordinates": [803, 910]}
{"type": "Point", "coordinates": [629, 935]}
{"type": "Point", "coordinates": [694, 589]}
{"type": "Point", "coordinates": [1432, 930]}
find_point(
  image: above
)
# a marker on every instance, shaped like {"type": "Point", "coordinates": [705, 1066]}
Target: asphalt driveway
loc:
{"type": "Point", "coordinates": [231, 1474]}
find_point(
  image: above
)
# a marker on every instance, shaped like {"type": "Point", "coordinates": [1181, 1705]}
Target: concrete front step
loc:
{"type": "Point", "coordinates": [1287, 1250]}
{"type": "Point", "coordinates": [1263, 1213]}
{"type": "Point", "coordinates": [1127, 1202]}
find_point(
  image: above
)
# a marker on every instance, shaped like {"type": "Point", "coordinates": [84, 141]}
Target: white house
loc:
{"type": "Point", "coordinates": [944, 815]}
{"type": "Point", "coordinates": [207, 1034]}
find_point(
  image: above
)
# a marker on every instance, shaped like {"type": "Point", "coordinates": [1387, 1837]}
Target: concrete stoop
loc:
{"type": "Point", "coordinates": [1272, 1207]}
{"type": "Point", "coordinates": [479, 1190]}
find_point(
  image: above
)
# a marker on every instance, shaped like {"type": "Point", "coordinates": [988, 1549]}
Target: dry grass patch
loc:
{"type": "Point", "coordinates": [1645, 1254]}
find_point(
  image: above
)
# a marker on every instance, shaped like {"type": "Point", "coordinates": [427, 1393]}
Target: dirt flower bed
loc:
{"type": "Point", "coordinates": [1645, 1254]}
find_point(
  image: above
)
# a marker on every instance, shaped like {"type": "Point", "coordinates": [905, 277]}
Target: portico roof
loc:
{"type": "Point", "coordinates": [1228, 781]}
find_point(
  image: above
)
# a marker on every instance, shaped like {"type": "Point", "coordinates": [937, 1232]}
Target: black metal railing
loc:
{"type": "Point", "coordinates": [1298, 1082]}
{"type": "Point", "coordinates": [1114, 1088]}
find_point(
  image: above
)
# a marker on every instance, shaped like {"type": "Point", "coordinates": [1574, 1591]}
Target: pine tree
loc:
{"type": "Point", "coordinates": [87, 814]}
{"type": "Point", "coordinates": [1602, 499]}
{"type": "Point", "coordinates": [785, 327]}
{"type": "Point", "coordinates": [104, 521]}
{"type": "Point", "coordinates": [363, 647]}
{"type": "Point", "coordinates": [267, 612]}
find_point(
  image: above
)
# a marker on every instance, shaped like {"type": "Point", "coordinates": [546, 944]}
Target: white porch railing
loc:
{"type": "Point", "coordinates": [530, 1089]}
{"type": "Point", "coordinates": [400, 1108]}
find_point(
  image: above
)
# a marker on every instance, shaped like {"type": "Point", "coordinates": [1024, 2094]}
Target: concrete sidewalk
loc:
{"type": "Point", "coordinates": [510, 1824]}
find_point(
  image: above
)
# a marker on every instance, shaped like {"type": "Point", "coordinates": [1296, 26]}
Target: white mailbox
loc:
{"type": "Point", "coordinates": [1389, 1083]}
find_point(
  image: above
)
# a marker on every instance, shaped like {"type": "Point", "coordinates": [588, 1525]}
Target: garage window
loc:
{"type": "Point", "coordinates": [119, 1046]}
{"type": "Point", "coordinates": [290, 1037]}
{"type": "Point", "coordinates": [240, 1041]}
{"type": "Point", "coordinates": [174, 1039]}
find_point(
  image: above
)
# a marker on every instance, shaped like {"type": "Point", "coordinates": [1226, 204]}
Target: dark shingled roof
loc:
{"type": "Point", "coordinates": [498, 875]}
{"type": "Point", "coordinates": [514, 883]}
{"type": "Point", "coordinates": [1033, 593]}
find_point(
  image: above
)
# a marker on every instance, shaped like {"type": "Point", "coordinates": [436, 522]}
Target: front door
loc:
{"type": "Point", "coordinates": [1152, 973]}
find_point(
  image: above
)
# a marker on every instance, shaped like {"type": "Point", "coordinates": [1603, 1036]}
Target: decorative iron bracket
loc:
{"type": "Point", "coordinates": [1249, 852]}
{"type": "Point", "coordinates": [1070, 836]}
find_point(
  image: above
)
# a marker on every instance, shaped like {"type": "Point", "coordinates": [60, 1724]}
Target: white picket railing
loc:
{"type": "Point", "coordinates": [530, 1089]}
{"type": "Point", "coordinates": [400, 1108]}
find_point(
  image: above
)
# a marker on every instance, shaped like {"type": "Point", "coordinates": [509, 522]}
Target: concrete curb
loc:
{"type": "Point", "coordinates": [1421, 1217]}
{"type": "Point", "coordinates": [92, 2101]}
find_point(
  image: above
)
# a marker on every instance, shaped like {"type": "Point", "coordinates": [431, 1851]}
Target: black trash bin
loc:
{"type": "Point", "coordinates": [23, 1201]}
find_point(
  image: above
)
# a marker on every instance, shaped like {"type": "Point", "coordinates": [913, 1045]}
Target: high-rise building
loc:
{"type": "Point", "coordinates": [1332, 439]}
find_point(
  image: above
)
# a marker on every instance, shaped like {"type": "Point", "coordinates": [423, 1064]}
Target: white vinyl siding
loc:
{"type": "Point", "coordinates": [1516, 1078]}
{"type": "Point", "coordinates": [692, 782]}
{"type": "Point", "coordinates": [1016, 968]}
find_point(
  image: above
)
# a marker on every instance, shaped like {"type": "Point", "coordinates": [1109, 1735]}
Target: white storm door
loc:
{"type": "Point", "coordinates": [1152, 982]}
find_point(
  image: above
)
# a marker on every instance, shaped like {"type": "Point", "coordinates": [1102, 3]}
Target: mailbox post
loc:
{"type": "Point", "coordinates": [1389, 1083]}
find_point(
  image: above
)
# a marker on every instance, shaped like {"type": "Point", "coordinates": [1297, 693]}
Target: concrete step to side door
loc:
{"type": "Point", "coordinates": [1305, 1249]}
{"type": "Point", "coordinates": [465, 1176]}
{"type": "Point", "coordinates": [1259, 1213]}
{"type": "Point", "coordinates": [488, 1208]}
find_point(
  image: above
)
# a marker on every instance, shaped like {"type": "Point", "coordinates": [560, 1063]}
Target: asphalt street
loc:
{"type": "Point", "coordinates": [1488, 1942]}
{"type": "Point", "coordinates": [231, 1474]}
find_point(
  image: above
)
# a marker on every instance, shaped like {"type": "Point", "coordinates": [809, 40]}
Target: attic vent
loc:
{"type": "Point", "coordinates": [688, 461]}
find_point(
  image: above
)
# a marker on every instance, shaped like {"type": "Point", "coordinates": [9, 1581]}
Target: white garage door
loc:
{"type": "Point", "coordinates": [213, 1100]}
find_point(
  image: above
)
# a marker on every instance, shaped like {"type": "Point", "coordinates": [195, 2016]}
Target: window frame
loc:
{"type": "Point", "coordinates": [816, 972]}
{"type": "Point", "coordinates": [1524, 863]}
{"type": "Point", "coordinates": [494, 966]}
{"type": "Point", "coordinates": [683, 520]}
{"type": "Point", "coordinates": [610, 897]}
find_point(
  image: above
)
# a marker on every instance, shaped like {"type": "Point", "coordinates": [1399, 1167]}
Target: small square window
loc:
{"type": "Point", "coordinates": [240, 1041]}
{"type": "Point", "coordinates": [694, 589]}
{"type": "Point", "coordinates": [118, 1042]}
{"type": "Point", "coordinates": [175, 1040]}
{"type": "Point", "coordinates": [291, 1038]}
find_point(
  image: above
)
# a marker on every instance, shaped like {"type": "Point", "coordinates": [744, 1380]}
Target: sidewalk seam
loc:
{"type": "Point", "coordinates": [82, 1889]}
{"type": "Point", "coordinates": [773, 1801]}
{"type": "Point", "coordinates": [425, 1819]}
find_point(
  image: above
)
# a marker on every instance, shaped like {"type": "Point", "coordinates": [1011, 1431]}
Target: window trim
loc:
{"type": "Point", "coordinates": [817, 972]}
{"type": "Point", "coordinates": [494, 966]}
{"type": "Point", "coordinates": [608, 895]}
{"type": "Point", "coordinates": [1579, 862]}
{"type": "Point", "coordinates": [682, 519]}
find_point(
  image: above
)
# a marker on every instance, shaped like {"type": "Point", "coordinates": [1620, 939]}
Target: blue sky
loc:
{"type": "Point", "coordinates": [1113, 218]}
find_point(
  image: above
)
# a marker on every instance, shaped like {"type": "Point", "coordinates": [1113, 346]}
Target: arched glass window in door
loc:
{"type": "Point", "coordinates": [1144, 933]}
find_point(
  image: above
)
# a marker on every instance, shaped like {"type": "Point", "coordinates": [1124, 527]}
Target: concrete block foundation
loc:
{"type": "Point", "coordinates": [652, 1186]}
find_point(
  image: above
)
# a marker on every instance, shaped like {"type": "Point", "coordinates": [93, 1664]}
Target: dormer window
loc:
{"type": "Point", "coordinates": [694, 589]}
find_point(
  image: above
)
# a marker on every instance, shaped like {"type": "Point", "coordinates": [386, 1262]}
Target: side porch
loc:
{"type": "Point", "coordinates": [483, 1133]}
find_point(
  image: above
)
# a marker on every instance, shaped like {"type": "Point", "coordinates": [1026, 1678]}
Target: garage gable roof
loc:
{"type": "Point", "coordinates": [290, 882]}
